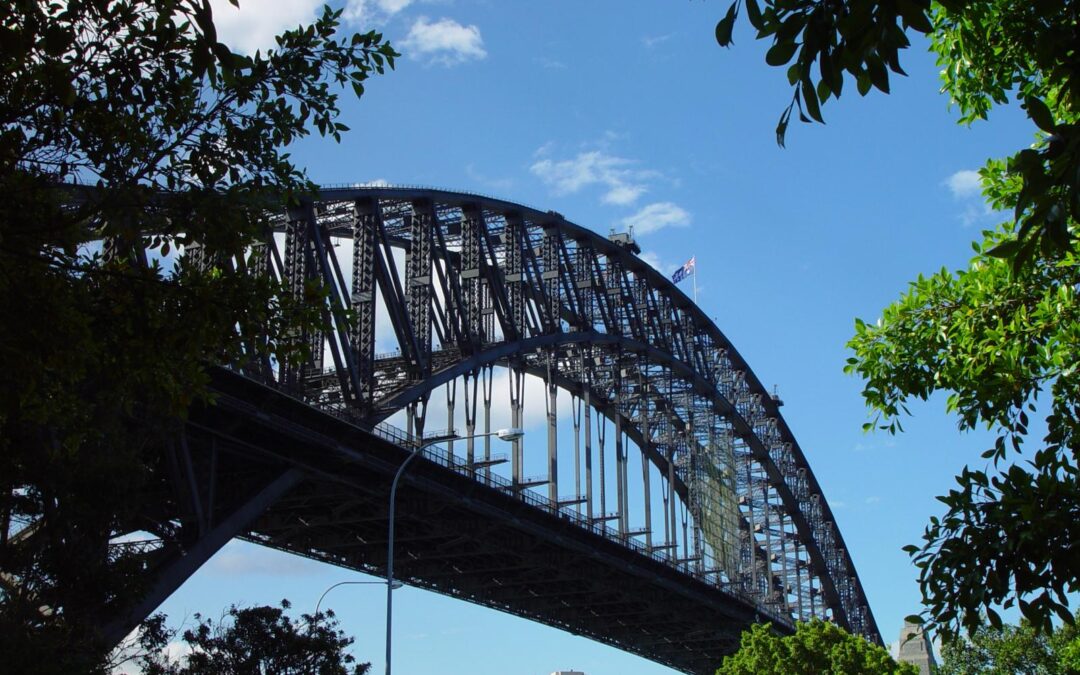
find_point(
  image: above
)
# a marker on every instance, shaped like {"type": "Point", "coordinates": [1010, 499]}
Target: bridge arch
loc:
{"type": "Point", "coordinates": [488, 282]}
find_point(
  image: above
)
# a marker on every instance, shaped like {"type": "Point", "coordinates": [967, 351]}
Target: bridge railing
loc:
{"type": "Point", "coordinates": [425, 188]}
{"type": "Point", "coordinates": [705, 572]}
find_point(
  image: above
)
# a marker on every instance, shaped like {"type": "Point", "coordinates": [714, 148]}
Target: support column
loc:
{"type": "Point", "coordinates": [470, 416]}
{"type": "Point", "coordinates": [552, 434]}
{"type": "Point", "coordinates": [671, 505]}
{"type": "Point", "coordinates": [647, 487]}
{"type": "Point", "coordinates": [601, 435]}
{"type": "Point", "coordinates": [362, 333]}
{"type": "Point", "coordinates": [451, 399]}
{"type": "Point", "coordinates": [418, 287]}
{"type": "Point", "coordinates": [575, 406]}
{"type": "Point", "coordinates": [620, 477]}
{"type": "Point", "coordinates": [486, 385]}
{"type": "Point", "coordinates": [517, 393]}
{"type": "Point", "coordinates": [587, 403]}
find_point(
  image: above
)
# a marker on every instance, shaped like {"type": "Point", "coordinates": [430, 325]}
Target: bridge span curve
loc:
{"type": "Point", "coordinates": [673, 505]}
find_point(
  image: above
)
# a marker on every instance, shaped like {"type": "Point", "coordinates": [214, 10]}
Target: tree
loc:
{"type": "Point", "coordinates": [1009, 650]}
{"type": "Point", "coordinates": [127, 122]}
{"type": "Point", "coordinates": [250, 641]}
{"type": "Point", "coordinates": [816, 647]}
{"type": "Point", "coordinates": [987, 50]}
{"type": "Point", "coordinates": [997, 335]}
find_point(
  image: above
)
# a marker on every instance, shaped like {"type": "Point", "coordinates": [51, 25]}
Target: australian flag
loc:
{"type": "Point", "coordinates": [684, 271]}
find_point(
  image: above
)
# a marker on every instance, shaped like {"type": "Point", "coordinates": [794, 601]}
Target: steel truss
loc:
{"type": "Point", "coordinates": [488, 283]}
{"type": "Point", "coordinates": [725, 524]}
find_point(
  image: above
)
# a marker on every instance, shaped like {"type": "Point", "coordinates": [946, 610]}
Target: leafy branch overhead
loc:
{"type": "Point", "coordinates": [129, 131]}
{"type": "Point", "coordinates": [998, 343]}
{"type": "Point", "coordinates": [988, 50]}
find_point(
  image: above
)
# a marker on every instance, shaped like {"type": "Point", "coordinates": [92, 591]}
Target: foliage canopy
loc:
{"type": "Point", "coordinates": [816, 647]}
{"type": "Point", "coordinates": [127, 122]}
{"type": "Point", "coordinates": [1012, 650]}
{"type": "Point", "coordinates": [249, 641]}
{"type": "Point", "coordinates": [997, 335]}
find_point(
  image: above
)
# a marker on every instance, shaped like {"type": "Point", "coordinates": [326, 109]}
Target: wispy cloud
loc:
{"type": "Point", "coordinates": [862, 447]}
{"type": "Point", "coordinates": [657, 216]}
{"type": "Point", "coordinates": [651, 41]}
{"type": "Point", "coordinates": [445, 42]}
{"type": "Point", "coordinates": [373, 11]}
{"type": "Point", "coordinates": [966, 188]}
{"type": "Point", "coordinates": [622, 179]}
{"type": "Point", "coordinates": [873, 500]}
{"type": "Point", "coordinates": [378, 182]}
{"type": "Point", "coordinates": [964, 184]}
{"type": "Point", "coordinates": [549, 63]}
{"type": "Point", "coordinates": [254, 25]}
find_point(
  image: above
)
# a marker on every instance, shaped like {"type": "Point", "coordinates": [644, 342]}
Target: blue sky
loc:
{"type": "Point", "coordinates": [628, 113]}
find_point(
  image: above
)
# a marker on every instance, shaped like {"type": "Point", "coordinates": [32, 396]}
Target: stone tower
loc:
{"type": "Point", "coordinates": [915, 648]}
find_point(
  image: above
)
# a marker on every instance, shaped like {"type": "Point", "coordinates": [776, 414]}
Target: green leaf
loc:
{"type": "Point", "coordinates": [810, 100]}
{"type": "Point", "coordinates": [915, 16]}
{"type": "Point", "coordinates": [879, 77]}
{"type": "Point", "coordinates": [1005, 249]}
{"type": "Point", "coordinates": [725, 26]}
{"type": "Point", "coordinates": [782, 125]}
{"type": "Point", "coordinates": [794, 73]}
{"type": "Point", "coordinates": [780, 53]}
{"type": "Point", "coordinates": [1040, 114]}
{"type": "Point", "coordinates": [863, 84]}
{"type": "Point", "coordinates": [753, 12]}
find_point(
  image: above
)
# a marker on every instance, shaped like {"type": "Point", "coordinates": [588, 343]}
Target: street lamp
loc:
{"type": "Point", "coordinates": [347, 583]}
{"type": "Point", "coordinates": [503, 435]}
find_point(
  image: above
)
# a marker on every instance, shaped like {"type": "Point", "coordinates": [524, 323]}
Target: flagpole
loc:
{"type": "Point", "coordinates": [695, 280]}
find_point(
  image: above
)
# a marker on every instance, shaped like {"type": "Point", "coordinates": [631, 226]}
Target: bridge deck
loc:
{"type": "Point", "coordinates": [463, 538]}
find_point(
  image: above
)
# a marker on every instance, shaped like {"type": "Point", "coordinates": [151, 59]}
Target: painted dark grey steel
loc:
{"type": "Point", "coordinates": [772, 445]}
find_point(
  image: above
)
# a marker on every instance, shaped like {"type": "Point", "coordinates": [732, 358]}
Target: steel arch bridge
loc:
{"type": "Point", "coordinates": [673, 505]}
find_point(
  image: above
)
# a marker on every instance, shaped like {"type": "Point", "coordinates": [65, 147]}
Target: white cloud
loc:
{"type": "Point", "coordinates": [623, 181]}
{"type": "Point", "coordinates": [964, 184]}
{"type": "Point", "coordinates": [966, 187]}
{"type": "Point", "coordinates": [378, 182]}
{"type": "Point", "coordinates": [373, 11]}
{"type": "Point", "coordinates": [549, 63]}
{"type": "Point", "coordinates": [255, 24]}
{"type": "Point", "coordinates": [623, 195]}
{"type": "Point", "coordinates": [445, 41]}
{"type": "Point", "coordinates": [975, 213]}
{"type": "Point", "coordinates": [651, 41]}
{"type": "Point", "coordinates": [873, 500]}
{"type": "Point", "coordinates": [657, 216]}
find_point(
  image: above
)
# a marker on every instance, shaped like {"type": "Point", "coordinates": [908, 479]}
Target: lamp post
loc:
{"type": "Point", "coordinates": [501, 434]}
{"type": "Point", "coordinates": [346, 583]}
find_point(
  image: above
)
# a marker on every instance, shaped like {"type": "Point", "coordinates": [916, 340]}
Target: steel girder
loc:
{"type": "Point", "coordinates": [488, 282]}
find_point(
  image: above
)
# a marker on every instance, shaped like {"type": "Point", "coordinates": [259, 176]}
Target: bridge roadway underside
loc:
{"type": "Point", "coordinates": [460, 537]}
